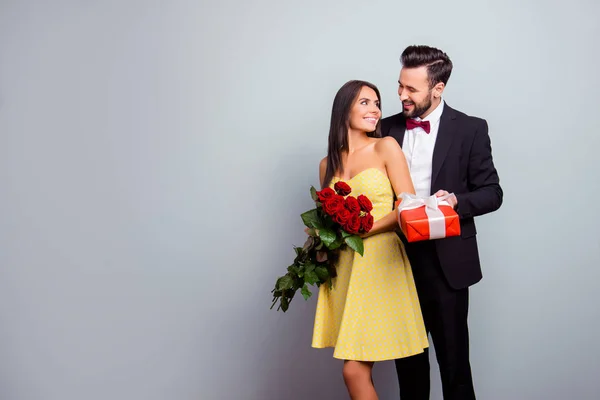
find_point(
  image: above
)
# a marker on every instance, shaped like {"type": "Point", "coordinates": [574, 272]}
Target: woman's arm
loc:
{"type": "Point", "coordinates": [322, 170]}
{"type": "Point", "coordinates": [396, 166]}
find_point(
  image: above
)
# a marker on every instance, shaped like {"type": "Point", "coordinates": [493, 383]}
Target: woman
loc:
{"type": "Point", "coordinates": [372, 312]}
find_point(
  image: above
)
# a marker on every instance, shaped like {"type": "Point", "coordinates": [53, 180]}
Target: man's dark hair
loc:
{"type": "Point", "coordinates": [439, 66]}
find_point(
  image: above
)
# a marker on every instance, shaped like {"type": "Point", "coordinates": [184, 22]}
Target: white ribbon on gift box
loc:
{"type": "Point", "coordinates": [435, 217]}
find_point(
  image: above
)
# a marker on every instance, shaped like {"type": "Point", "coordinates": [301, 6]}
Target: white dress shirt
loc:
{"type": "Point", "coordinates": [418, 148]}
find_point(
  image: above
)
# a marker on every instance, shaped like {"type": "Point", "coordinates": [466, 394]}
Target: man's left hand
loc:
{"type": "Point", "coordinates": [451, 199]}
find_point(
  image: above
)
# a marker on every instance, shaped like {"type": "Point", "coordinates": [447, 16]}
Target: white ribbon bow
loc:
{"type": "Point", "coordinates": [436, 218]}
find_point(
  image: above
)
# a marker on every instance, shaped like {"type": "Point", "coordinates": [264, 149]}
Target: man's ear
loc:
{"type": "Point", "coordinates": [438, 89]}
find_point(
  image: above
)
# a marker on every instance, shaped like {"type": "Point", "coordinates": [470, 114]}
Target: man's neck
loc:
{"type": "Point", "coordinates": [434, 104]}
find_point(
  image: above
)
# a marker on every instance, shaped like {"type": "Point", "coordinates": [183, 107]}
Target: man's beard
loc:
{"type": "Point", "coordinates": [418, 110]}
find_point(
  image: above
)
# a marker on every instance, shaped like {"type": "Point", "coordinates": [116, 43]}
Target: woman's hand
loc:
{"type": "Point", "coordinates": [311, 231]}
{"type": "Point", "coordinates": [365, 235]}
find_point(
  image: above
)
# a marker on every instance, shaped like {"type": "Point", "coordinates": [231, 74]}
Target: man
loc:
{"type": "Point", "coordinates": [447, 152]}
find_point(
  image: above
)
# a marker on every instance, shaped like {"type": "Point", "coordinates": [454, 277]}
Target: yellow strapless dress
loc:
{"type": "Point", "coordinates": [372, 313]}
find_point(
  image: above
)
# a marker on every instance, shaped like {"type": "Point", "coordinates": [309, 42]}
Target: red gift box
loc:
{"type": "Point", "coordinates": [426, 218]}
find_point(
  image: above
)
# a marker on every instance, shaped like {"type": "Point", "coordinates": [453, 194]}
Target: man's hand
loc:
{"type": "Point", "coordinates": [451, 199]}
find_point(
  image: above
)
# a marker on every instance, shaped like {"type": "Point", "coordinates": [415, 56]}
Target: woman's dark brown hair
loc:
{"type": "Point", "coordinates": [338, 128]}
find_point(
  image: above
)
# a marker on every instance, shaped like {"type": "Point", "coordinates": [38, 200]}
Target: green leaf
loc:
{"type": "Point", "coordinates": [322, 273]}
{"type": "Point", "coordinates": [311, 277]}
{"type": "Point", "coordinates": [313, 193]}
{"type": "Point", "coordinates": [284, 304]}
{"type": "Point", "coordinates": [297, 284]}
{"type": "Point", "coordinates": [285, 282]}
{"type": "Point", "coordinates": [355, 243]}
{"type": "Point", "coordinates": [345, 234]}
{"type": "Point", "coordinates": [336, 243]}
{"type": "Point", "coordinates": [327, 236]}
{"type": "Point", "coordinates": [328, 221]}
{"type": "Point", "coordinates": [309, 267]}
{"type": "Point", "coordinates": [305, 292]}
{"type": "Point", "coordinates": [311, 218]}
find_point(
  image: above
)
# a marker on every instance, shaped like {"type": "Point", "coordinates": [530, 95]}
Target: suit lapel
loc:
{"type": "Point", "coordinates": [398, 130]}
{"type": "Point", "coordinates": [446, 133]}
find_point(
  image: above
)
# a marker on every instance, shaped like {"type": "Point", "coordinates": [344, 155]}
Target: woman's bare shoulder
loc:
{"type": "Point", "coordinates": [387, 143]}
{"type": "Point", "coordinates": [323, 164]}
{"type": "Point", "coordinates": [388, 147]}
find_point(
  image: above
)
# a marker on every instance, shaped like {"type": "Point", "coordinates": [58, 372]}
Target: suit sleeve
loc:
{"type": "Point", "coordinates": [485, 194]}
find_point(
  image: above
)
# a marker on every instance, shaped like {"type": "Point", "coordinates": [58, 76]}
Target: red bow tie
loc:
{"type": "Point", "coordinates": [412, 124]}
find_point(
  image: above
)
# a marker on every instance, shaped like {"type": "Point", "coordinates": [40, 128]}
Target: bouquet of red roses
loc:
{"type": "Point", "coordinates": [336, 222]}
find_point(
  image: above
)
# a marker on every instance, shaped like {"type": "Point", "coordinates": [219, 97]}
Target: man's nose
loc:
{"type": "Point", "coordinates": [403, 95]}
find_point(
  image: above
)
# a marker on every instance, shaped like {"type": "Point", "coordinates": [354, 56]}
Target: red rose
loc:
{"type": "Point", "coordinates": [325, 194]}
{"type": "Point", "coordinates": [342, 216]}
{"type": "Point", "coordinates": [334, 204]}
{"type": "Point", "coordinates": [342, 188]}
{"type": "Point", "coordinates": [353, 224]}
{"type": "Point", "coordinates": [365, 203]}
{"type": "Point", "coordinates": [366, 223]}
{"type": "Point", "coordinates": [352, 205]}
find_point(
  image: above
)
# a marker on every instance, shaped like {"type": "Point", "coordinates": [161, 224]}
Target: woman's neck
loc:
{"type": "Point", "coordinates": [356, 140]}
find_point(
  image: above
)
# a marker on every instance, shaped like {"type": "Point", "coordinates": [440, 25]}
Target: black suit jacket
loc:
{"type": "Point", "coordinates": [462, 164]}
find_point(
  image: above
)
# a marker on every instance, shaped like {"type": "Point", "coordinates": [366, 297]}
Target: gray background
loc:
{"type": "Point", "coordinates": [155, 157]}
